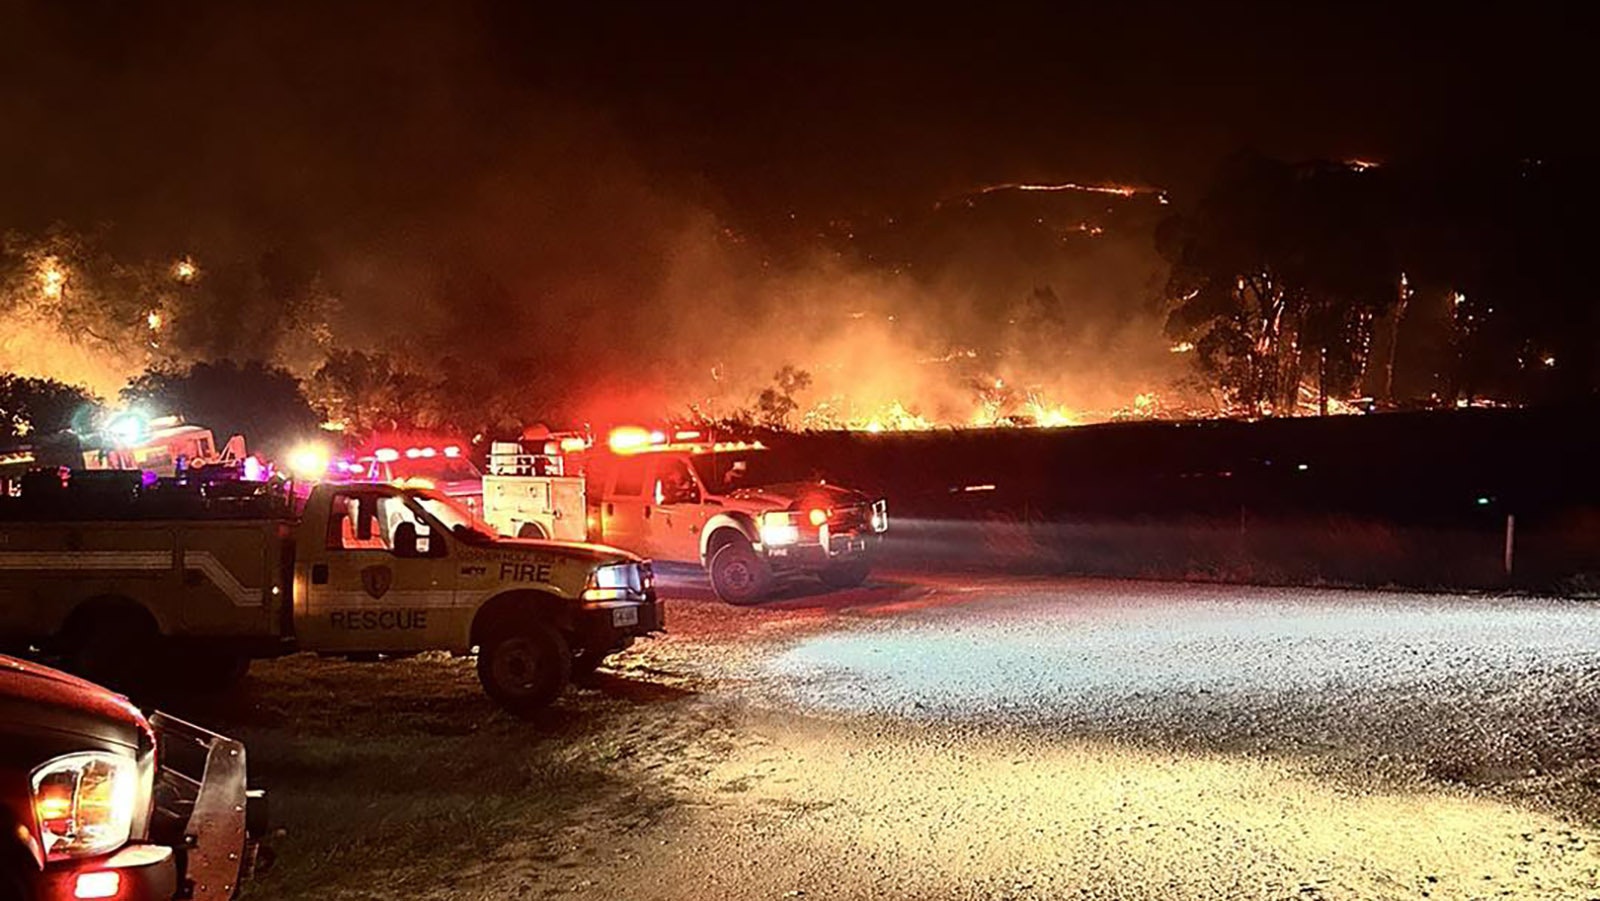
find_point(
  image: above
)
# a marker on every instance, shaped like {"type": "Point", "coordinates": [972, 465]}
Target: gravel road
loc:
{"type": "Point", "coordinates": [1461, 687]}
{"type": "Point", "coordinates": [969, 737]}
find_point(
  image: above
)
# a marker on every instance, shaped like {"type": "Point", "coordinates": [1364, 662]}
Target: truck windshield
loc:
{"type": "Point", "coordinates": [721, 473]}
{"type": "Point", "coordinates": [453, 517]}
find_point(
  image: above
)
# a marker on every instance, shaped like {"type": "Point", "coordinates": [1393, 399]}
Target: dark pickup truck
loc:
{"type": "Point", "coordinates": [99, 801]}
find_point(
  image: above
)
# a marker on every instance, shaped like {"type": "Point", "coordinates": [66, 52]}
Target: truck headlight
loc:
{"type": "Point", "coordinates": [614, 582]}
{"type": "Point", "coordinates": [780, 528]}
{"type": "Point", "coordinates": [84, 803]}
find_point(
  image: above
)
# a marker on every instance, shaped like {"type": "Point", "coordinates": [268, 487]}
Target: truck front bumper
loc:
{"type": "Point", "coordinates": [136, 872]}
{"type": "Point", "coordinates": [204, 808]}
{"type": "Point", "coordinates": [847, 547]}
{"type": "Point", "coordinates": [612, 624]}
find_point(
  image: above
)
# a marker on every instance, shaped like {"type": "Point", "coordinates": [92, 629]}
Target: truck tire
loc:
{"type": "Point", "coordinates": [738, 574]}
{"type": "Point", "coordinates": [532, 530]}
{"type": "Point", "coordinates": [524, 666]}
{"type": "Point", "coordinates": [845, 575]}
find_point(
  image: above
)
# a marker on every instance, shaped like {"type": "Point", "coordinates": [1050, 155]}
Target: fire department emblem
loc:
{"type": "Point", "coordinates": [376, 580]}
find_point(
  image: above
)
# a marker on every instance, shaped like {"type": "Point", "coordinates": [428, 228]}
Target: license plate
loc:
{"type": "Point", "coordinates": [625, 616]}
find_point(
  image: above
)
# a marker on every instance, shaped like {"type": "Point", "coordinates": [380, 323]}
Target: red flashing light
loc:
{"type": "Point", "coordinates": [818, 517]}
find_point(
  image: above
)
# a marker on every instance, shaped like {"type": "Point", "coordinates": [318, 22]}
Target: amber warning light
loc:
{"type": "Point", "coordinates": [629, 438]}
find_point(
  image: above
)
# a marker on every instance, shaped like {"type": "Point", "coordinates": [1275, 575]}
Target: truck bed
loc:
{"type": "Point", "coordinates": [221, 578]}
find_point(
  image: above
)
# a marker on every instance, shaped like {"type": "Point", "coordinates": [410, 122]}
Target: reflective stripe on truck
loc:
{"type": "Point", "coordinates": [204, 562]}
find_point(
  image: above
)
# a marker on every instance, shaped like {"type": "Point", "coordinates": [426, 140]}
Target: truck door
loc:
{"type": "Point", "coordinates": [679, 512]}
{"type": "Point", "coordinates": [567, 506]}
{"type": "Point", "coordinates": [383, 578]}
{"type": "Point", "coordinates": [623, 507]}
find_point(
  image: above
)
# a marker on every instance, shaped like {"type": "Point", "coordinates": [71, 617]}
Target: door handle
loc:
{"type": "Point", "coordinates": [646, 511]}
{"type": "Point", "coordinates": [611, 509]}
{"type": "Point", "coordinates": [319, 574]}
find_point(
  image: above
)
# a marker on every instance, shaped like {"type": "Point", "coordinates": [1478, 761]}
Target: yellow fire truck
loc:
{"type": "Point", "coordinates": [113, 575]}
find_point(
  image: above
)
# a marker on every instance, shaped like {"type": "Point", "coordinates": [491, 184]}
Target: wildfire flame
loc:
{"type": "Point", "coordinates": [52, 279]}
{"type": "Point", "coordinates": [1115, 190]}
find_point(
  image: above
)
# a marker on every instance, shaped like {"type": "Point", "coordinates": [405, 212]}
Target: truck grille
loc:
{"type": "Point", "coordinates": [851, 519]}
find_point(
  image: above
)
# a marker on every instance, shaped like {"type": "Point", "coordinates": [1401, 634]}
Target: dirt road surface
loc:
{"type": "Point", "coordinates": [952, 736]}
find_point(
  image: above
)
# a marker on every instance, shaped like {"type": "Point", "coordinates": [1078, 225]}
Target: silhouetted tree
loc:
{"type": "Point", "coordinates": [776, 404]}
{"type": "Point", "coordinates": [1279, 275]}
{"type": "Point", "coordinates": [36, 407]}
{"type": "Point", "coordinates": [264, 403]}
{"type": "Point", "coordinates": [1497, 257]}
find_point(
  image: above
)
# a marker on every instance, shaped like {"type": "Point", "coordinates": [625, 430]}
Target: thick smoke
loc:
{"type": "Point", "coordinates": [415, 193]}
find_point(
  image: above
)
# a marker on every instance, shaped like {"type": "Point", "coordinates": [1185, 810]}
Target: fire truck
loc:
{"type": "Point", "coordinates": [115, 575]}
{"type": "Point", "coordinates": [162, 446]}
{"type": "Point", "coordinates": [444, 468]}
{"type": "Point", "coordinates": [731, 507]}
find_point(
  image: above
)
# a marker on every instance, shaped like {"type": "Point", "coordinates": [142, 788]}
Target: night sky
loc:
{"type": "Point", "coordinates": [327, 111]}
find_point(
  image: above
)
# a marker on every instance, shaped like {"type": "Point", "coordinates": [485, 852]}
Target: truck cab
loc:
{"type": "Point", "coordinates": [443, 468]}
{"type": "Point", "coordinates": [733, 508]}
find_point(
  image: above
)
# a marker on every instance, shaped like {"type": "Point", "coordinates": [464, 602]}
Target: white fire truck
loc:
{"type": "Point", "coordinates": [117, 576]}
{"type": "Point", "coordinates": [442, 468]}
{"type": "Point", "coordinates": [731, 507]}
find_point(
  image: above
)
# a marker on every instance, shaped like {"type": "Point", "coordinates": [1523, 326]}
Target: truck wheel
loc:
{"type": "Point", "coordinates": [524, 666]}
{"type": "Point", "coordinates": [531, 530]}
{"type": "Point", "coordinates": [845, 575]}
{"type": "Point", "coordinates": [738, 575]}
